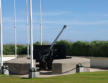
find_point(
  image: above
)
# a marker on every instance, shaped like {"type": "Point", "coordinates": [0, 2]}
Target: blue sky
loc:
{"type": "Point", "coordinates": [87, 20]}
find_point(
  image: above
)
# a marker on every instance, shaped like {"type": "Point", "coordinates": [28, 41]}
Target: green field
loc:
{"type": "Point", "coordinates": [94, 77]}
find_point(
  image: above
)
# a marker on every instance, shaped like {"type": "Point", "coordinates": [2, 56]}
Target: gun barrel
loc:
{"type": "Point", "coordinates": [64, 27]}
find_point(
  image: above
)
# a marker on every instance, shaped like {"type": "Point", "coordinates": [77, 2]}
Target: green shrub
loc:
{"type": "Point", "coordinates": [79, 48]}
{"type": "Point", "coordinates": [21, 49]}
{"type": "Point", "coordinates": [9, 49]}
{"type": "Point", "coordinates": [99, 48]}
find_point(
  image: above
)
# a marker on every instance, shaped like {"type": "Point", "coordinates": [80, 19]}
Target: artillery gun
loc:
{"type": "Point", "coordinates": [46, 54]}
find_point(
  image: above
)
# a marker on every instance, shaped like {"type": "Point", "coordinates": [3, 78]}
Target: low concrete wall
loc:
{"type": "Point", "coordinates": [19, 66]}
{"type": "Point", "coordinates": [69, 65]}
{"type": "Point", "coordinates": [99, 62]}
{"type": "Point", "coordinates": [18, 69]}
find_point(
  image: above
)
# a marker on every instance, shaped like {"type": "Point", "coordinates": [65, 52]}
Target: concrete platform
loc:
{"type": "Point", "coordinates": [19, 66]}
{"type": "Point", "coordinates": [69, 65]}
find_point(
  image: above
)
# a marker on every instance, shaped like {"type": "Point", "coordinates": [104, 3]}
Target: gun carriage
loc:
{"type": "Point", "coordinates": [45, 54]}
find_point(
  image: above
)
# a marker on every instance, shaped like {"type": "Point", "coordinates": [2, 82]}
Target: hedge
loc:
{"type": "Point", "coordinates": [9, 49]}
{"type": "Point", "coordinates": [78, 48]}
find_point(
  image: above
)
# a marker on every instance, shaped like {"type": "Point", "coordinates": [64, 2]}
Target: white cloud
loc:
{"type": "Point", "coordinates": [52, 13]}
{"type": "Point", "coordinates": [78, 22]}
{"type": "Point", "coordinates": [68, 22]}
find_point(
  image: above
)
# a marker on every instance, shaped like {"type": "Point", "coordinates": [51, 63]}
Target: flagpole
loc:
{"type": "Point", "coordinates": [15, 27]}
{"type": "Point", "coordinates": [31, 35]}
{"type": "Point", "coordinates": [27, 28]}
{"type": "Point", "coordinates": [1, 35]}
{"type": "Point", "coordinates": [32, 67]}
{"type": "Point", "coordinates": [41, 22]}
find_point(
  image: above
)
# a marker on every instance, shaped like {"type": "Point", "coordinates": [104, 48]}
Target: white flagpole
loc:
{"type": "Point", "coordinates": [15, 27]}
{"type": "Point", "coordinates": [32, 73]}
{"type": "Point", "coordinates": [31, 36]}
{"type": "Point", "coordinates": [27, 28]}
{"type": "Point", "coordinates": [1, 35]}
{"type": "Point", "coordinates": [41, 22]}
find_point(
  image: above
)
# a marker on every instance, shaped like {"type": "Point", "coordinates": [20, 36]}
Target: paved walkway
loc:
{"type": "Point", "coordinates": [96, 69]}
{"type": "Point", "coordinates": [45, 74]}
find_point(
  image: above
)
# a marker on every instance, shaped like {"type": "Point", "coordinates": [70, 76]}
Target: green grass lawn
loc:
{"type": "Point", "coordinates": [94, 77]}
